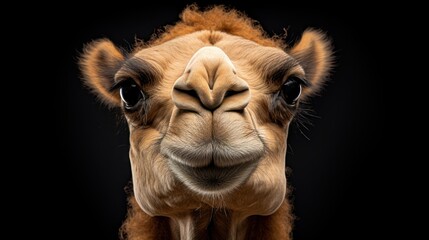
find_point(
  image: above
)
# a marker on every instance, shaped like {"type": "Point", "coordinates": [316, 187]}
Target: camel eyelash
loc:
{"type": "Point", "coordinates": [120, 84]}
{"type": "Point", "coordinates": [304, 82]}
{"type": "Point", "coordinates": [281, 75]}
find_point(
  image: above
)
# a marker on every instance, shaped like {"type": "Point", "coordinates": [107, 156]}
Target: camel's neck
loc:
{"type": "Point", "coordinates": [208, 224]}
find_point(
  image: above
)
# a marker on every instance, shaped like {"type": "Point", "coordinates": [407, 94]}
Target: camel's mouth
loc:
{"type": "Point", "coordinates": [213, 168]}
{"type": "Point", "coordinates": [212, 152]}
{"type": "Point", "coordinates": [212, 179]}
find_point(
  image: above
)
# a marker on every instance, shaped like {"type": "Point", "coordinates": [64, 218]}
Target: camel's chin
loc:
{"type": "Point", "coordinates": [213, 180]}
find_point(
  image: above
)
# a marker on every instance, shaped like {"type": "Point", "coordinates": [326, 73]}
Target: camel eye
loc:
{"type": "Point", "coordinates": [131, 95]}
{"type": "Point", "coordinates": [291, 90]}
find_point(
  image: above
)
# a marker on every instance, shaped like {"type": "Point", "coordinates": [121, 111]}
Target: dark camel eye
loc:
{"type": "Point", "coordinates": [131, 95]}
{"type": "Point", "coordinates": [291, 90]}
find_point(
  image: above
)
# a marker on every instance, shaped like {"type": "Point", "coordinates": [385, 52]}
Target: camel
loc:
{"type": "Point", "coordinates": [208, 102]}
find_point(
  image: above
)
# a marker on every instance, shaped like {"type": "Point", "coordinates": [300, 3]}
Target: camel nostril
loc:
{"type": "Point", "coordinates": [230, 93]}
{"type": "Point", "coordinates": [191, 92]}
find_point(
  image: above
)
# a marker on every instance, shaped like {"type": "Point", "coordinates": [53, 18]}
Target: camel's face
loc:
{"type": "Point", "coordinates": [208, 114]}
{"type": "Point", "coordinates": [211, 144]}
{"type": "Point", "coordinates": [208, 120]}
{"type": "Point", "coordinates": [208, 104]}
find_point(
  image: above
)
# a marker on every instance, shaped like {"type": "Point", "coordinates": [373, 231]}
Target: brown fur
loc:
{"type": "Point", "coordinates": [140, 226]}
{"type": "Point", "coordinates": [276, 226]}
{"type": "Point", "coordinates": [229, 71]}
{"type": "Point", "coordinates": [217, 18]}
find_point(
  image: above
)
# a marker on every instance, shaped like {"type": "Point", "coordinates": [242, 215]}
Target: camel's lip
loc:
{"type": "Point", "coordinates": [213, 179]}
{"type": "Point", "coordinates": [213, 153]}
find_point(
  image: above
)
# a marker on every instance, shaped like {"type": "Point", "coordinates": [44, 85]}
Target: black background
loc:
{"type": "Point", "coordinates": [332, 166]}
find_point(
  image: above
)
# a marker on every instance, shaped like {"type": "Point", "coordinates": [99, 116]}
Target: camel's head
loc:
{"type": "Point", "coordinates": [208, 104]}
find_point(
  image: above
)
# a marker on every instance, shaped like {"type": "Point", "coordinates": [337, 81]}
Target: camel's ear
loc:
{"type": "Point", "coordinates": [314, 54]}
{"type": "Point", "coordinates": [99, 63]}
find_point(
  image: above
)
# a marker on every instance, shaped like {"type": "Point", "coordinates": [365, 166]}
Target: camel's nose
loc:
{"type": "Point", "coordinates": [210, 81]}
